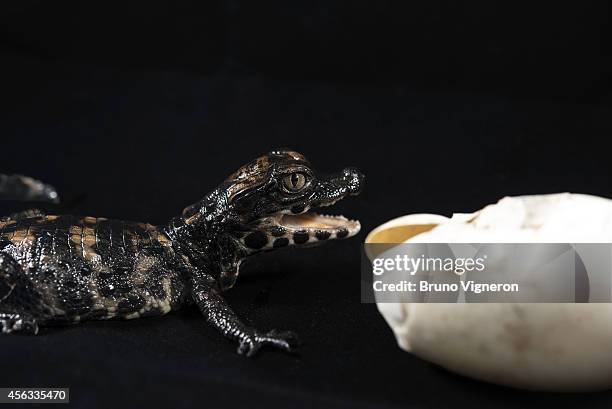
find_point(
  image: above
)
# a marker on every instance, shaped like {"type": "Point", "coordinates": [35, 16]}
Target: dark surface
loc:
{"type": "Point", "coordinates": [128, 126]}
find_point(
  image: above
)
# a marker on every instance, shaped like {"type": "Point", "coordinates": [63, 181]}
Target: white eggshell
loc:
{"type": "Point", "coordinates": [553, 347]}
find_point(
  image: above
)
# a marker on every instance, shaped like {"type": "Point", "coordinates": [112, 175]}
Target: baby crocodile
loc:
{"type": "Point", "coordinates": [66, 269]}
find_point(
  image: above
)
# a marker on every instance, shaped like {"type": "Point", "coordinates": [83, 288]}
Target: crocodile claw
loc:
{"type": "Point", "coordinates": [16, 323]}
{"type": "Point", "coordinates": [252, 342]}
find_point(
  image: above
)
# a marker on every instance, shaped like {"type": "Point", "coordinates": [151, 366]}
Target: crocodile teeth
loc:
{"type": "Point", "coordinates": [313, 221]}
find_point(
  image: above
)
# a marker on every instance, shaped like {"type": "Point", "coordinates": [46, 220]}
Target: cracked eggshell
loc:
{"type": "Point", "coordinates": [551, 347]}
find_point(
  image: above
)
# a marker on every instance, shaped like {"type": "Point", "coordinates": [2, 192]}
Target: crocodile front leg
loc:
{"type": "Point", "coordinates": [14, 317]}
{"type": "Point", "coordinates": [214, 307]}
{"type": "Point", "coordinates": [13, 322]}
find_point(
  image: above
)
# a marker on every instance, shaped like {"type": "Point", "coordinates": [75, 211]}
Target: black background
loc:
{"type": "Point", "coordinates": [135, 110]}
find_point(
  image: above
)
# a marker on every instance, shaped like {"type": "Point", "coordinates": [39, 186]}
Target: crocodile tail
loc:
{"type": "Point", "coordinates": [24, 188]}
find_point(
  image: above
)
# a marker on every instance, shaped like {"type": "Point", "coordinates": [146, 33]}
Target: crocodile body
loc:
{"type": "Point", "coordinates": [66, 269]}
{"type": "Point", "coordinates": [94, 268]}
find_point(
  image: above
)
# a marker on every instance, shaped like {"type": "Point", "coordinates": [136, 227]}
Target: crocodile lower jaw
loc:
{"type": "Point", "coordinates": [337, 226]}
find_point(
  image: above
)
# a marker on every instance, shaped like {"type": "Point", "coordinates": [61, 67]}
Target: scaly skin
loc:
{"type": "Point", "coordinates": [66, 269]}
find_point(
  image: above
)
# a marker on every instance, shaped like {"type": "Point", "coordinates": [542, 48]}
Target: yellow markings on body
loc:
{"type": "Point", "coordinates": [6, 223]}
{"type": "Point", "coordinates": [84, 238]}
{"type": "Point", "coordinates": [75, 234]}
{"type": "Point", "coordinates": [192, 219]}
{"type": "Point", "coordinates": [88, 241]}
{"type": "Point", "coordinates": [20, 236]}
{"type": "Point", "coordinates": [163, 239]}
{"type": "Point", "coordinates": [155, 234]}
{"type": "Point", "coordinates": [46, 219]}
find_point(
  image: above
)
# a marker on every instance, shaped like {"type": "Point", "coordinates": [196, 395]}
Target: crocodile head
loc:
{"type": "Point", "coordinates": [265, 205]}
{"type": "Point", "coordinates": [273, 197]}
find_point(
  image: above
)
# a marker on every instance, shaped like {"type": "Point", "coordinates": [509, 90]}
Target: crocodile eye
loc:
{"type": "Point", "coordinates": [294, 182]}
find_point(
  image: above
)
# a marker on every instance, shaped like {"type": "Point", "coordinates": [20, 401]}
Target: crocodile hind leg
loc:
{"type": "Point", "coordinates": [18, 300]}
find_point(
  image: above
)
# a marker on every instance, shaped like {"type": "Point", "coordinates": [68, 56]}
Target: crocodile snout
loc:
{"type": "Point", "coordinates": [354, 180]}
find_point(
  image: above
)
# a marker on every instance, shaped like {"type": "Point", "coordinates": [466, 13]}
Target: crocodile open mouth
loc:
{"type": "Point", "coordinates": [321, 226]}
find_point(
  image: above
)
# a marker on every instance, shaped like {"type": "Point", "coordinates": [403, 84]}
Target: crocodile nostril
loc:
{"type": "Point", "coordinates": [354, 179]}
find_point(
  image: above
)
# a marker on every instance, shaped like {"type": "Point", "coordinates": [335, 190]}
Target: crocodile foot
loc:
{"type": "Point", "coordinates": [10, 322]}
{"type": "Point", "coordinates": [253, 340]}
